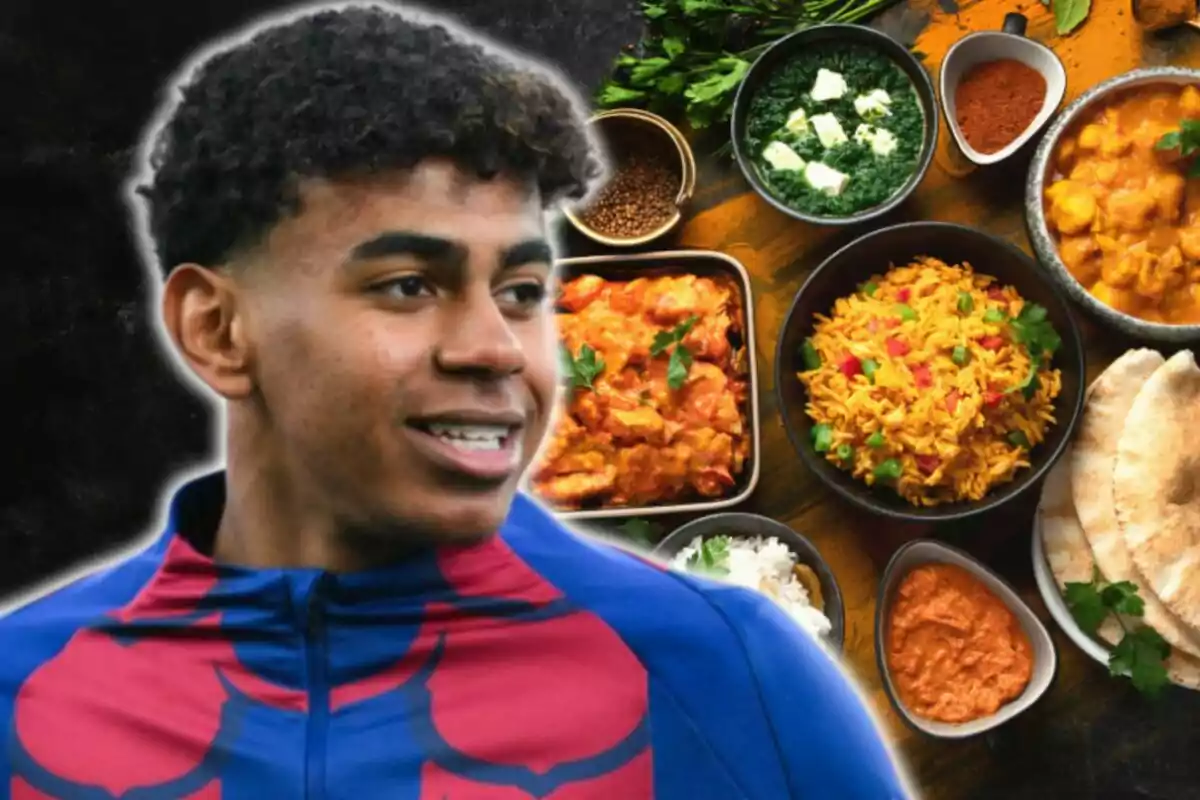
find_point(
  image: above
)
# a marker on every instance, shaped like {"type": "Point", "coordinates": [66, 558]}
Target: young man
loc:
{"type": "Point", "coordinates": [349, 207]}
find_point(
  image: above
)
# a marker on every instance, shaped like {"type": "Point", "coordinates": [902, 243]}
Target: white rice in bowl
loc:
{"type": "Point", "coordinates": [763, 564]}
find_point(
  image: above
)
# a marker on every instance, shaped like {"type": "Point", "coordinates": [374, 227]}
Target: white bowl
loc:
{"type": "Point", "coordinates": [1055, 604]}
{"type": "Point", "coordinates": [1045, 657]}
{"type": "Point", "coordinates": [1009, 43]}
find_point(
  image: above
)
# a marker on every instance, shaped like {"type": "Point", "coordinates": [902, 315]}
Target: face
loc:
{"type": "Point", "coordinates": [400, 348]}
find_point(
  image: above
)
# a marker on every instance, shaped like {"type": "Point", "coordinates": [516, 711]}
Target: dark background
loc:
{"type": "Point", "coordinates": [98, 422]}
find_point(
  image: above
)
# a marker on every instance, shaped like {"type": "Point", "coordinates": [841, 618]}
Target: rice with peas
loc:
{"type": "Point", "coordinates": [931, 379]}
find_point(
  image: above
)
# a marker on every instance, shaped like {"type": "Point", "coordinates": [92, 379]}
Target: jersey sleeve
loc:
{"type": "Point", "coordinates": [830, 746]}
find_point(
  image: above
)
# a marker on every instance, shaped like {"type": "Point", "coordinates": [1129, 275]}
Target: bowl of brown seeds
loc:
{"type": "Point", "coordinates": [652, 176]}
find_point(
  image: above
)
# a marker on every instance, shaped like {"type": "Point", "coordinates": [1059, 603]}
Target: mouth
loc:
{"type": "Point", "coordinates": [481, 446]}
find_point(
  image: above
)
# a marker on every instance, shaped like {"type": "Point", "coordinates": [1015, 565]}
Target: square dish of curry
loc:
{"type": "Point", "coordinates": [1120, 203]}
{"type": "Point", "coordinates": [656, 407]}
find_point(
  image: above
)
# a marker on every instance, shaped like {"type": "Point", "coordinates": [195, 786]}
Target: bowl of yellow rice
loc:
{"type": "Point", "coordinates": [929, 371]}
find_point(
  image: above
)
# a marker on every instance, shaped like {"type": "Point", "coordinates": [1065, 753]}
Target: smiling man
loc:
{"type": "Point", "coordinates": [348, 207]}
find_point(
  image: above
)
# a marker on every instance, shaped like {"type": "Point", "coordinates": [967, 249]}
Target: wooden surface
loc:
{"type": "Point", "coordinates": [1091, 735]}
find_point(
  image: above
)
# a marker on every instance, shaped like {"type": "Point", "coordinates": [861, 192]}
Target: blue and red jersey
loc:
{"type": "Point", "coordinates": [536, 664]}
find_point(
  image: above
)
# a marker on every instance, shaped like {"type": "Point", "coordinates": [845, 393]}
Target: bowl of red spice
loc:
{"type": "Point", "coordinates": [652, 174]}
{"type": "Point", "coordinates": [998, 90]}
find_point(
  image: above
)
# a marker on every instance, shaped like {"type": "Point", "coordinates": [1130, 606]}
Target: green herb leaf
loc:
{"type": "Point", "coordinates": [822, 436]}
{"type": "Point", "coordinates": [1122, 597]}
{"type": "Point", "coordinates": [906, 312]}
{"type": "Point", "coordinates": [966, 303]}
{"type": "Point", "coordinates": [1168, 141]}
{"type": "Point", "coordinates": [640, 532]}
{"type": "Point", "coordinates": [1032, 329]}
{"type": "Point", "coordinates": [889, 470]}
{"type": "Point", "coordinates": [677, 367]}
{"type": "Point", "coordinates": [673, 46]}
{"type": "Point", "coordinates": [876, 439]}
{"type": "Point", "coordinates": [613, 94]}
{"type": "Point", "coordinates": [647, 69]}
{"type": "Point", "coordinates": [810, 356]}
{"type": "Point", "coordinates": [1140, 656]}
{"type": "Point", "coordinates": [994, 315]}
{"type": "Point", "coordinates": [1070, 14]}
{"type": "Point", "coordinates": [869, 368]}
{"type": "Point", "coordinates": [710, 557]}
{"type": "Point", "coordinates": [1087, 607]}
{"type": "Point", "coordinates": [1019, 439]}
{"type": "Point", "coordinates": [581, 370]}
{"type": "Point", "coordinates": [845, 453]}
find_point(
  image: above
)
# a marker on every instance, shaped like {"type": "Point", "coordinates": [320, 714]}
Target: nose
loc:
{"type": "Point", "coordinates": [479, 341]}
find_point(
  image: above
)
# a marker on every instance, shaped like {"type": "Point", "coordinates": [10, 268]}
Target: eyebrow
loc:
{"type": "Point", "coordinates": [436, 248]}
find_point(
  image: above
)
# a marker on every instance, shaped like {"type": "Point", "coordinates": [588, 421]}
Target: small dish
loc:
{"type": "Point", "coordinates": [751, 525]}
{"type": "Point", "coordinates": [1007, 43]}
{"type": "Point", "coordinates": [655, 133]}
{"type": "Point", "coordinates": [1045, 658]}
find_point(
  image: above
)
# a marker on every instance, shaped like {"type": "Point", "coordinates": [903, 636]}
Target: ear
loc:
{"type": "Point", "coordinates": [206, 322]}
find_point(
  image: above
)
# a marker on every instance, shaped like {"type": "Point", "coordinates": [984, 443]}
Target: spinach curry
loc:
{"type": "Point", "coordinates": [836, 169]}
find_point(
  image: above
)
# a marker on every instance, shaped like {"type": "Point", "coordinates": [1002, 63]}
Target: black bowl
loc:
{"type": "Point", "coordinates": [795, 44]}
{"type": "Point", "coordinates": [751, 525]}
{"type": "Point", "coordinates": [841, 274]}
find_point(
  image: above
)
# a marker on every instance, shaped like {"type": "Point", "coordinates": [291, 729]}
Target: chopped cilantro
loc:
{"type": "Point", "coordinates": [582, 369]}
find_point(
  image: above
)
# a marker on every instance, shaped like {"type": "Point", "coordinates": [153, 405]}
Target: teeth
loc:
{"type": "Point", "coordinates": [471, 437]}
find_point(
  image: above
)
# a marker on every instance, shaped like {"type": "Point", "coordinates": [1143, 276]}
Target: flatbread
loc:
{"type": "Point", "coordinates": [1157, 485]}
{"type": "Point", "coordinates": [1109, 401]}
{"type": "Point", "coordinates": [1071, 561]}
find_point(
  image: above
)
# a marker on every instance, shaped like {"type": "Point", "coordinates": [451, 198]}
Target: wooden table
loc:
{"type": "Point", "coordinates": [1090, 736]}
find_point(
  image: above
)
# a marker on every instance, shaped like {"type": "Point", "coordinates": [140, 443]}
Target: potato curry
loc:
{"type": "Point", "coordinates": [655, 406]}
{"type": "Point", "coordinates": [1126, 216]}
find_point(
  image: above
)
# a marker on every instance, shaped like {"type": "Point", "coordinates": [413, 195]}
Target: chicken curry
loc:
{"type": "Point", "coordinates": [655, 408]}
{"type": "Point", "coordinates": [1125, 214]}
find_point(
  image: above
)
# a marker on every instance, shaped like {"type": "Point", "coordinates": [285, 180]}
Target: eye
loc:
{"type": "Point", "coordinates": [406, 287]}
{"type": "Point", "coordinates": [529, 293]}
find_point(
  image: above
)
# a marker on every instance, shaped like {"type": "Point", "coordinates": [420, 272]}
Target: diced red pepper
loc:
{"type": "Point", "coordinates": [922, 376]}
{"type": "Point", "coordinates": [995, 293]}
{"type": "Point", "coordinates": [928, 464]}
{"type": "Point", "coordinates": [952, 400]}
{"type": "Point", "coordinates": [897, 348]}
{"type": "Point", "coordinates": [892, 322]}
{"type": "Point", "coordinates": [991, 342]}
{"type": "Point", "coordinates": [904, 294]}
{"type": "Point", "coordinates": [850, 366]}
{"type": "Point", "coordinates": [991, 399]}
{"type": "Point", "coordinates": [872, 325]}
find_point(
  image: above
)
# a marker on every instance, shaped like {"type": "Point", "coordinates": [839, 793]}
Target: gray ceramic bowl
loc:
{"type": "Point", "coordinates": [1035, 217]}
{"type": "Point", "coordinates": [751, 525]}
{"type": "Point", "coordinates": [1045, 658]}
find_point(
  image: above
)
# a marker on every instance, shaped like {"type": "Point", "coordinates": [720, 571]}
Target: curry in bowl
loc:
{"type": "Point", "coordinates": [1123, 205]}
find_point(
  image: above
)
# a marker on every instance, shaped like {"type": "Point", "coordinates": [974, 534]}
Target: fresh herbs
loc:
{"type": "Point", "coordinates": [1141, 653]}
{"type": "Point", "coordinates": [1032, 329]}
{"type": "Point", "coordinates": [640, 532]}
{"type": "Point", "coordinates": [1070, 14]}
{"type": "Point", "coordinates": [582, 369]}
{"type": "Point", "coordinates": [993, 316]}
{"type": "Point", "coordinates": [1186, 140]}
{"type": "Point", "coordinates": [695, 53]}
{"type": "Point", "coordinates": [710, 557]}
{"type": "Point", "coordinates": [681, 358]}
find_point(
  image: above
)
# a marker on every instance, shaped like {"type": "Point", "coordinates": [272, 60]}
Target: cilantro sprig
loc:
{"type": "Point", "coordinates": [681, 358]}
{"type": "Point", "coordinates": [710, 557]}
{"type": "Point", "coordinates": [580, 370]}
{"type": "Point", "coordinates": [1141, 653]}
{"type": "Point", "coordinates": [694, 53]}
{"type": "Point", "coordinates": [640, 532]}
{"type": "Point", "coordinates": [1032, 329]}
{"type": "Point", "coordinates": [1186, 140]}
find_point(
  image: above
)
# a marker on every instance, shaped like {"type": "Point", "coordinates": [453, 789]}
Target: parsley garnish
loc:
{"type": "Point", "coordinates": [641, 532]}
{"type": "Point", "coordinates": [1186, 140]}
{"type": "Point", "coordinates": [1032, 329]}
{"type": "Point", "coordinates": [582, 369]}
{"type": "Point", "coordinates": [1141, 653]}
{"type": "Point", "coordinates": [681, 359]}
{"type": "Point", "coordinates": [710, 556]}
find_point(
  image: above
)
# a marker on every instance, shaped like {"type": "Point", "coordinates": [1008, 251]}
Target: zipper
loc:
{"type": "Point", "coordinates": [315, 645]}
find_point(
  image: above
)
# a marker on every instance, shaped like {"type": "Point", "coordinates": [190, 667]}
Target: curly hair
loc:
{"type": "Point", "coordinates": [342, 92]}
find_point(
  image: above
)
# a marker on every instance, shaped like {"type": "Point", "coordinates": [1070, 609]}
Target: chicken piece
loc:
{"type": "Point", "coordinates": [1167, 191]}
{"type": "Point", "coordinates": [1120, 273]}
{"type": "Point", "coordinates": [1160, 274]}
{"type": "Point", "coordinates": [1189, 242]}
{"type": "Point", "coordinates": [1113, 144]}
{"type": "Point", "coordinates": [1091, 137]}
{"type": "Point", "coordinates": [569, 491]}
{"type": "Point", "coordinates": [1130, 209]}
{"type": "Point", "coordinates": [1189, 102]}
{"type": "Point", "coordinates": [577, 294]}
{"type": "Point", "coordinates": [707, 339]}
{"type": "Point", "coordinates": [639, 424]}
{"type": "Point", "coordinates": [1073, 207]}
{"type": "Point", "coordinates": [1079, 255]}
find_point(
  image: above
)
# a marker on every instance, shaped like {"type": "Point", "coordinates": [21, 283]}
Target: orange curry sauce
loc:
{"type": "Point", "coordinates": [1126, 216]}
{"type": "Point", "coordinates": [954, 650]}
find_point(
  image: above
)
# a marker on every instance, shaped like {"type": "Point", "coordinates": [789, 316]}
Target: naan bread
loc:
{"type": "Point", "coordinates": [1071, 561]}
{"type": "Point", "coordinates": [1110, 399]}
{"type": "Point", "coordinates": [1157, 486]}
